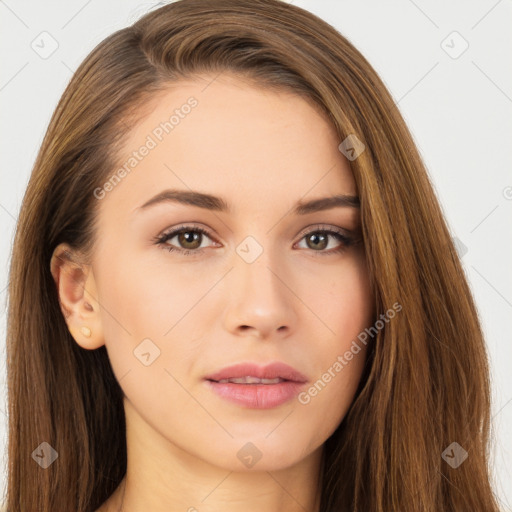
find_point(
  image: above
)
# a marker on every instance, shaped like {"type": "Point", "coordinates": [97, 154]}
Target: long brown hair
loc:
{"type": "Point", "coordinates": [426, 384]}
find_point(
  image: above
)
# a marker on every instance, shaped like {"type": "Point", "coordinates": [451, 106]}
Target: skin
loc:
{"type": "Point", "coordinates": [262, 151]}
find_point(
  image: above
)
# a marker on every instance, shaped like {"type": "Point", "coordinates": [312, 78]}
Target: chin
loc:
{"type": "Point", "coordinates": [256, 453]}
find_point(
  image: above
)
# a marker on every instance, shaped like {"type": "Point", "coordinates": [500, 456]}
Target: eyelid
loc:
{"type": "Point", "coordinates": [183, 227]}
{"type": "Point", "coordinates": [324, 227]}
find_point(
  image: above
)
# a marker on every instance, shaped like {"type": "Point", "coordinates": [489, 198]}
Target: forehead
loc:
{"type": "Point", "coordinates": [227, 137]}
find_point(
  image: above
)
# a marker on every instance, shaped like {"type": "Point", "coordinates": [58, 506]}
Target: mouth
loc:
{"type": "Point", "coordinates": [251, 380]}
{"type": "Point", "coordinates": [255, 387]}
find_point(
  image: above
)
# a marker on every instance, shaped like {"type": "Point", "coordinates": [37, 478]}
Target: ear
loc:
{"type": "Point", "coordinates": [77, 296]}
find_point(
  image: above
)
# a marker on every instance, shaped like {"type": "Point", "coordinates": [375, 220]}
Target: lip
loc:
{"type": "Point", "coordinates": [269, 371]}
{"type": "Point", "coordinates": [257, 396]}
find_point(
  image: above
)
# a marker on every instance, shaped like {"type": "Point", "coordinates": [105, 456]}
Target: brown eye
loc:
{"type": "Point", "coordinates": [190, 239]}
{"type": "Point", "coordinates": [317, 241]}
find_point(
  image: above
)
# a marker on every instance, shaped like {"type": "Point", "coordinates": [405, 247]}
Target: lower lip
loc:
{"type": "Point", "coordinates": [257, 396]}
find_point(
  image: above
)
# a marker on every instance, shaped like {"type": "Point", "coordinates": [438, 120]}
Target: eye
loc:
{"type": "Point", "coordinates": [189, 239]}
{"type": "Point", "coordinates": [319, 239]}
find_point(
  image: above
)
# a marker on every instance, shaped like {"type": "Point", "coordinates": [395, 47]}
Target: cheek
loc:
{"type": "Point", "coordinates": [141, 295]}
{"type": "Point", "coordinates": [346, 310]}
{"type": "Point", "coordinates": [342, 300]}
{"type": "Point", "coordinates": [128, 296]}
{"type": "Point", "coordinates": [145, 305]}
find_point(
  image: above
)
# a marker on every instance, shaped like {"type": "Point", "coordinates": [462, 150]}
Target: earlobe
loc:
{"type": "Point", "coordinates": [76, 289]}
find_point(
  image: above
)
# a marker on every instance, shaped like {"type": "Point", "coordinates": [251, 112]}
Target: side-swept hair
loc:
{"type": "Point", "coordinates": [426, 384]}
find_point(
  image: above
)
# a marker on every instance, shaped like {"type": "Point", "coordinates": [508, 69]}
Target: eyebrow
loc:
{"type": "Point", "coordinates": [210, 202]}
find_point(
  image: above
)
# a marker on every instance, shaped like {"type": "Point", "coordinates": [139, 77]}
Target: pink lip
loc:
{"type": "Point", "coordinates": [257, 396]}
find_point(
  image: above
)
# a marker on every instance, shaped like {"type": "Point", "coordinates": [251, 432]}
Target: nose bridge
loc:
{"type": "Point", "coordinates": [254, 267]}
{"type": "Point", "coordinates": [257, 270]}
{"type": "Point", "coordinates": [259, 297]}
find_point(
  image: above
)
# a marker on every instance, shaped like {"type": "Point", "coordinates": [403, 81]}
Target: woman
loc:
{"type": "Point", "coordinates": [306, 340]}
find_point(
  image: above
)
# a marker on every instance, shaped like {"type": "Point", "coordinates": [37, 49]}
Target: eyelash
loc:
{"type": "Point", "coordinates": [161, 240]}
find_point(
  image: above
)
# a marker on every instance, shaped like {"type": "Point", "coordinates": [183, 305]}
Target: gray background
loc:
{"type": "Point", "coordinates": [456, 100]}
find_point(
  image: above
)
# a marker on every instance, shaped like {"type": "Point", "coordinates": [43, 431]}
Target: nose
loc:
{"type": "Point", "coordinates": [261, 301]}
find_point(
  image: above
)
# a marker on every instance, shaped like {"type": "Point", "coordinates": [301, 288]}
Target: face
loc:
{"type": "Point", "coordinates": [229, 275]}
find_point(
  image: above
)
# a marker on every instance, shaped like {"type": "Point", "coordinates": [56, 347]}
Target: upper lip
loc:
{"type": "Point", "coordinates": [269, 371]}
